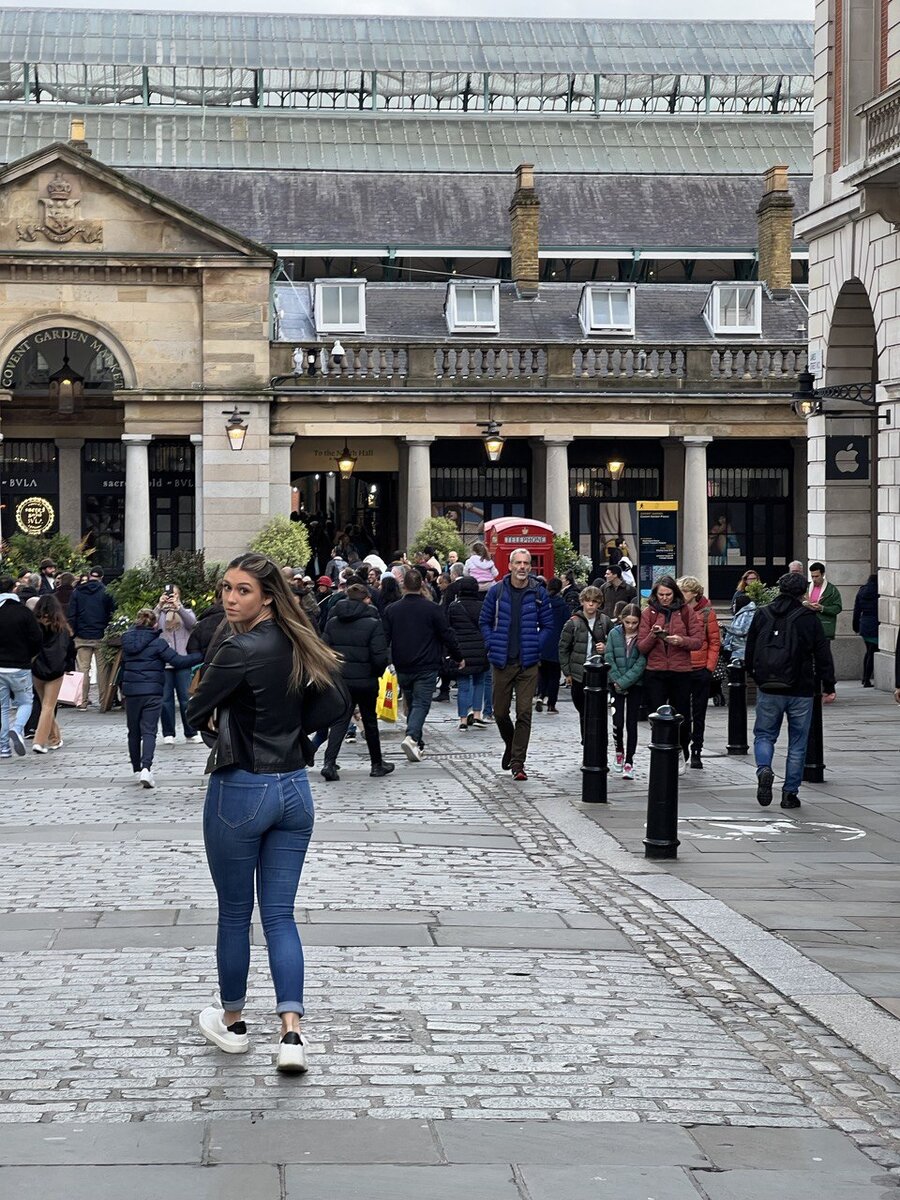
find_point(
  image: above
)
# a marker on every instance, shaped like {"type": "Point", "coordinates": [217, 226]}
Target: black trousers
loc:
{"type": "Point", "coordinates": [548, 682]}
{"type": "Point", "coordinates": [868, 662]}
{"type": "Point", "coordinates": [576, 691]}
{"type": "Point", "coordinates": [626, 707]}
{"type": "Point", "coordinates": [364, 699]}
{"type": "Point", "coordinates": [142, 714]}
{"type": "Point", "coordinates": [32, 723]}
{"type": "Point", "coordinates": [671, 687]}
{"type": "Point", "coordinates": [701, 681]}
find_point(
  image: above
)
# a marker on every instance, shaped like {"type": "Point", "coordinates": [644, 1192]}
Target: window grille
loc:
{"type": "Point", "coordinates": [596, 483]}
{"type": "Point", "coordinates": [748, 483]}
{"type": "Point", "coordinates": [479, 483]}
{"type": "Point", "coordinates": [40, 454]}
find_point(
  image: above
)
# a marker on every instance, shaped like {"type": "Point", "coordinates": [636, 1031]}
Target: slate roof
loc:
{"type": "Point", "coordinates": [664, 313]}
{"type": "Point", "coordinates": [353, 209]}
{"type": "Point", "coordinates": [131, 138]}
{"type": "Point", "coordinates": [56, 35]}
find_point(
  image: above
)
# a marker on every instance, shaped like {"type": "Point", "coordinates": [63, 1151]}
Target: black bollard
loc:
{"type": "Point", "coordinates": [662, 794]}
{"type": "Point", "coordinates": [595, 768]}
{"type": "Point", "coordinates": [737, 708]}
{"type": "Point", "coordinates": [814, 765]}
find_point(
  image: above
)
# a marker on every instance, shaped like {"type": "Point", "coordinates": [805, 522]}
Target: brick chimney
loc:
{"type": "Point", "coordinates": [524, 212]}
{"type": "Point", "coordinates": [775, 225]}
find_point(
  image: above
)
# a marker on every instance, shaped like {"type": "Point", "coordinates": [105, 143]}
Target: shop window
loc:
{"type": "Point", "coordinates": [734, 308]}
{"type": "Point", "coordinates": [607, 309]}
{"type": "Point", "coordinates": [472, 308]}
{"type": "Point", "coordinates": [596, 483]}
{"type": "Point", "coordinates": [340, 306]}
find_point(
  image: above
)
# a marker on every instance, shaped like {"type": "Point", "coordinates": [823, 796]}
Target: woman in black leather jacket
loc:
{"type": "Point", "coordinates": [259, 814]}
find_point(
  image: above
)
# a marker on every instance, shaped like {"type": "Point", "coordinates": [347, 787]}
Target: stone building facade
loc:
{"type": "Point", "coordinates": [854, 246]}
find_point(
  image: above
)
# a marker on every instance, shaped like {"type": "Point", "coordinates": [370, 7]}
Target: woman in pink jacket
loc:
{"type": "Point", "coordinates": [669, 631]}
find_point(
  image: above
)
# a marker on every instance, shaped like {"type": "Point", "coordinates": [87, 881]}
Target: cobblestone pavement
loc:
{"type": "Point", "coordinates": [535, 1009]}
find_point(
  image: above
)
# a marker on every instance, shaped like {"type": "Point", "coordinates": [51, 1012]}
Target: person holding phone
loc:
{"type": "Point", "coordinates": [669, 631]}
{"type": "Point", "coordinates": [175, 623]}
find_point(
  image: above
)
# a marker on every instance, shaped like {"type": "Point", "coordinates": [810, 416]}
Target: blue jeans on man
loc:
{"type": "Point", "coordinates": [770, 713]}
{"type": "Point", "coordinates": [15, 692]}
{"type": "Point", "coordinates": [256, 829]}
{"type": "Point", "coordinates": [418, 690]}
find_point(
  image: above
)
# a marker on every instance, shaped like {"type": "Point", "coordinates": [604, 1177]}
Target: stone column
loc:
{"type": "Point", "coordinates": [538, 479]}
{"type": "Point", "coordinates": [197, 443]}
{"type": "Point", "coordinates": [69, 462]}
{"type": "Point", "coordinates": [418, 484]}
{"type": "Point", "coordinates": [695, 531]}
{"type": "Point", "coordinates": [137, 497]}
{"type": "Point", "coordinates": [556, 488]}
{"type": "Point", "coordinates": [280, 474]}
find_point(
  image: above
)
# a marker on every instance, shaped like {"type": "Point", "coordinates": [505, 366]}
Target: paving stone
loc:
{"type": "Point", "coordinates": [136, 917]}
{"type": "Point", "coordinates": [612, 1144]}
{"type": "Point", "coordinates": [375, 916]}
{"type": "Point", "coordinates": [87, 1144]}
{"type": "Point", "coordinates": [49, 920]}
{"type": "Point", "coordinates": [120, 937]}
{"type": "Point", "coordinates": [548, 939]}
{"type": "Point", "coordinates": [824, 1150]}
{"type": "Point", "coordinates": [794, 1185]}
{"type": "Point", "coordinates": [368, 1140]}
{"type": "Point", "coordinates": [24, 939]}
{"type": "Point", "coordinates": [363, 934]}
{"type": "Point", "coordinates": [399, 1183]}
{"type": "Point", "coordinates": [603, 1182]}
{"type": "Point", "coordinates": [508, 920]}
{"type": "Point", "coordinates": [141, 1183]}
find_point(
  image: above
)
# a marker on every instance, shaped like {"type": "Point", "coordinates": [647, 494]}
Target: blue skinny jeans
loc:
{"type": "Point", "coordinates": [256, 829]}
{"type": "Point", "coordinates": [770, 712]}
{"type": "Point", "coordinates": [470, 693]}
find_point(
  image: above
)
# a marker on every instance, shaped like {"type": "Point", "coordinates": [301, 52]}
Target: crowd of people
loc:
{"type": "Point", "coordinates": [284, 663]}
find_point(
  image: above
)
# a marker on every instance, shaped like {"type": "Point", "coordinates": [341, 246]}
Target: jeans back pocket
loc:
{"type": "Point", "coordinates": [239, 803]}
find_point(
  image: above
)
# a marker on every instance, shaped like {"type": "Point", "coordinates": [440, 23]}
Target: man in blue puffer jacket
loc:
{"type": "Point", "coordinates": [515, 613]}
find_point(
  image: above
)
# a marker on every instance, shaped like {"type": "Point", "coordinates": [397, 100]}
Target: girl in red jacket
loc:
{"type": "Point", "coordinates": [669, 631]}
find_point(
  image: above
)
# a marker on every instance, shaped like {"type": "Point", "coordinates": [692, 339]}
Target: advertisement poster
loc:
{"type": "Point", "coordinates": [657, 541]}
{"type": "Point", "coordinates": [466, 516]}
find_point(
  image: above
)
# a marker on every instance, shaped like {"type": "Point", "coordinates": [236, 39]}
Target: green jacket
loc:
{"type": "Point", "coordinates": [831, 605]}
{"type": "Point", "coordinates": [625, 670]}
{"type": "Point", "coordinates": [573, 643]}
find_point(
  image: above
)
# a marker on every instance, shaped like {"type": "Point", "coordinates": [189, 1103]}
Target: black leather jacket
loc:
{"type": "Point", "coordinates": [248, 680]}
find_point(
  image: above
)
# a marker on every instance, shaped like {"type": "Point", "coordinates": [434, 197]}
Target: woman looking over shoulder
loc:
{"type": "Point", "coordinates": [259, 814]}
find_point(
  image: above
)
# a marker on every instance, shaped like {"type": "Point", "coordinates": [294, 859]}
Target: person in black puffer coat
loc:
{"type": "Point", "coordinates": [355, 631]}
{"type": "Point", "coordinates": [145, 655]}
{"type": "Point", "coordinates": [865, 623]}
{"type": "Point", "coordinates": [210, 630]}
{"type": "Point", "coordinates": [463, 614]}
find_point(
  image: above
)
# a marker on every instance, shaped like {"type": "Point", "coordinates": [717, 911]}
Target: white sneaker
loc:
{"type": "Point", "coordinates": [168, 741]}
{"type": "Point", "coordinates": [682, 764]}
{"type": "Point", "coordinates": [137, 776]}
{"type": "Point", "coordinates": [292, 1055]}
{"type": "Point", "coordinates": [627, 771]}
{"type": "Point", "coordinates": [147, 779]}
{"type": "Point", "coordinates": [39, 749]}
{"type": "Point", "coordinates": [411, 749]}
{"type": "Point", "coordinates": [195, 738]}
{"type": "Point", "coordinates": [230, 1038]}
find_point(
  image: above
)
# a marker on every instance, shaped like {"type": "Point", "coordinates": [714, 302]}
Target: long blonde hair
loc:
{"type": "Point", "coordinates": [313, 660]}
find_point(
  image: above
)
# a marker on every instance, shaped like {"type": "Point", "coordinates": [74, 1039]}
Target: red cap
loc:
{"type": "Point", "coordinates": [325, 581]}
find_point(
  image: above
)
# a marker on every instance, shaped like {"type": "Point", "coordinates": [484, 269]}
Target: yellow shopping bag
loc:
{"type": "Point", "coordinates": [386, 706]}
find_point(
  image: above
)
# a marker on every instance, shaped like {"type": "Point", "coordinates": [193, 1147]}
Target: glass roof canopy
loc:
{"type": "Point", "coordinates": [83, 57]}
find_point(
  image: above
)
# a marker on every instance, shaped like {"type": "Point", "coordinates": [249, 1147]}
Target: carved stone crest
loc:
{"type": "Point", "coordinates": [61, 221]}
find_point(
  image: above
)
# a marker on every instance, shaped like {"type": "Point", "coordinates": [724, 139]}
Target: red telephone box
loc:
{"type": "Point", "coordinates": [506, 534]}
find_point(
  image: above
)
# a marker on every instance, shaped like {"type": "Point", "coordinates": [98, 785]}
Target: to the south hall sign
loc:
{"type": "Point", "coordinates": [83, 349]}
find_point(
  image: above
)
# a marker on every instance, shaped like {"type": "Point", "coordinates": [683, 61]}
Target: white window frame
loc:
{"type": "Point", "coordinates": [451, 310]}
{"type": "Point", "coordinates": [712, 311]}
{"type": "Point", "coordinates": [323, 326]}
{"type": "Point", "coordinates": [586, 309]}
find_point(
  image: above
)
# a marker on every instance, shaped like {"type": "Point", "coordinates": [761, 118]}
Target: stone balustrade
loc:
{"type": "Point", "coordinates": [882, 127]}
{"type": "Point", "coordinates": [585, 366]}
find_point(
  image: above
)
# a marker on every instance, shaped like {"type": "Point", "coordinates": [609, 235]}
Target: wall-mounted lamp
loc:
{"type": "Point", "coordinates": [807, 399]}
{"type": "Point", "coordinates": [236, 427]}
{"type": "Point", "coordinates": [616, 468]}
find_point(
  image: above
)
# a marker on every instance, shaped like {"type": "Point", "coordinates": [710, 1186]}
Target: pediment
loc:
{"type": "Point", "coordinates": [61, 201]}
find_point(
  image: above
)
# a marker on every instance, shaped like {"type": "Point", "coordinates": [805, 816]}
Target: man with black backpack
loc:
{"type": "Point", "coordinates": [789, 658]}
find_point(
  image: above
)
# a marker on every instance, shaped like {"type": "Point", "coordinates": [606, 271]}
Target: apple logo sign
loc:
{"type": "Point", "coordinates": [847, 460]}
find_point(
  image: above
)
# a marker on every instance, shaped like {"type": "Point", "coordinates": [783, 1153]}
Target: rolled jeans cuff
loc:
{"type": "Point", "coordinates": [292, 1006]}
{"type": "Point", "coordinates": [234, 1006]}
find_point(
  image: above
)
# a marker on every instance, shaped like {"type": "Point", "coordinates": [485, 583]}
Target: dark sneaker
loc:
{"type": "Point", "coordinates": [506, 760]}
{"type": "Point", "coordinates": [330, 773]}
{"type": "Point", "coordinates": [539, 706]}
{"type": "Point", "coordinates": [696, 761]}
{"type": "Point", "coordinates": [381, 769]}
{"type": "Point", "coordinates": [765, 777]}
{"type": "Point", "coordinates": [789, 800]}
{"type": "Point", "coordinates": [292, 1055]}
{"type": "Point", "coordinates": [518, 773]}
{"type": "Point", "coordinates": [16, 741]}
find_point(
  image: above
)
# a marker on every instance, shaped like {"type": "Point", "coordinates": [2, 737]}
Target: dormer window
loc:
{"type": "Point", "coordinates": [340, 306]}
{"type": "Point", "coordinates": [473, 307]}
{"type": "Point", "coordinates": [734, 308]}
{"type": "Point", "coordinates": [607, 309]}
